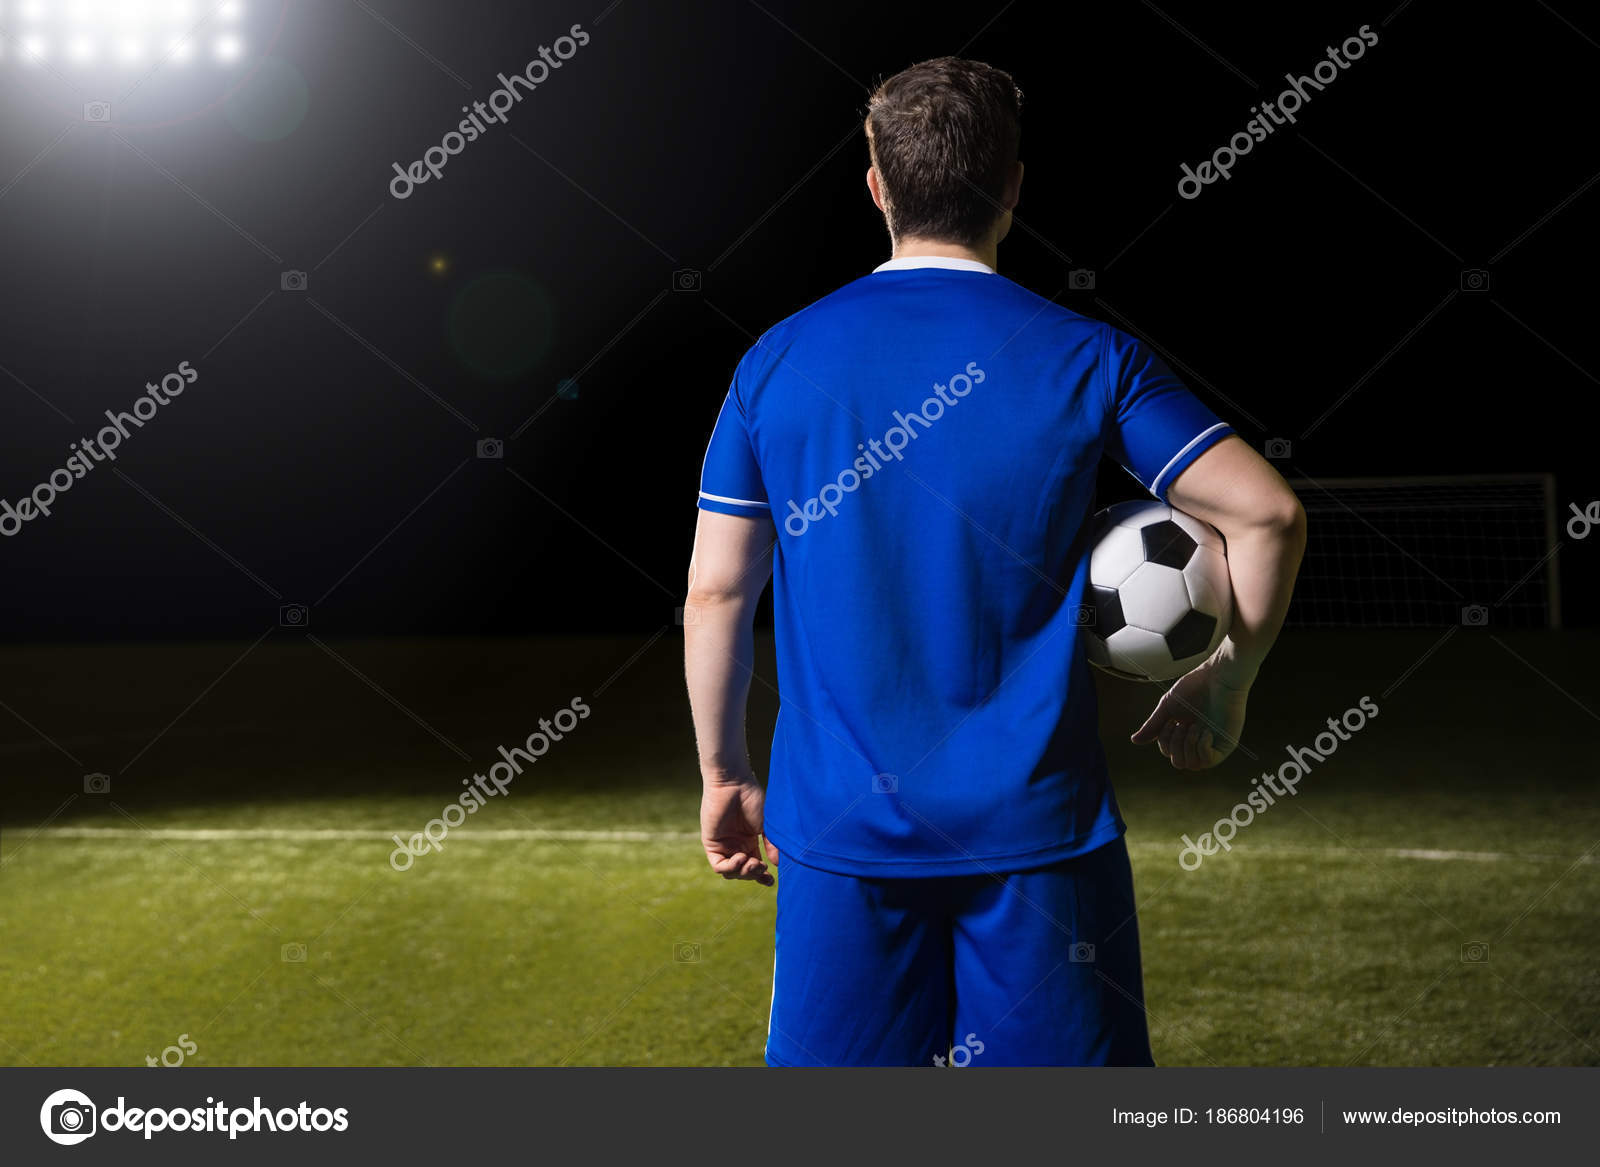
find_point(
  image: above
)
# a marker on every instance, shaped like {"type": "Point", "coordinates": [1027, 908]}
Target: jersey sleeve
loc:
{"type": "Point", "coordinates": [1156, 426]}
{"type": "Point", "coordinates": [730, 479]}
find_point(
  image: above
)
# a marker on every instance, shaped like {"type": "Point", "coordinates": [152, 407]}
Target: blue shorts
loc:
{"type": "Point", "coordinates": [1024, 968]}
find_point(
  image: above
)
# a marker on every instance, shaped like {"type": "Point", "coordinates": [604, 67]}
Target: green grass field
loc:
{"type": "Point", "coordinates": [1333, 933]}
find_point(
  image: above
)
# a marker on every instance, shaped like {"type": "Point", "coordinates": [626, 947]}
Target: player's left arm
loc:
{"type": "Point", "coordinates": [1188, 457]}
{"type": "Point", "coordinates": [730, 567]}
{"type": "Point", "coordinates": [1197, 723]}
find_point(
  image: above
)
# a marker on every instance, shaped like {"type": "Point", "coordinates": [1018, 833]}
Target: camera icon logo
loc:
{"type": "Point", "coordinates": [1082, 953]}
{"type": "Point", "coordinates": [97, 783]}
{"type": "Point", "coordinates": [293, 953]}
{"type": "Point", "coordinates": [97, 111]}
{"type": "Point", "coordinates": [293, 616]}
{"type": "Point", "coordinates": [1475, 616]}
{"type": "Point", "coordinates": [1080, 279]}
{"type": "Point", "coordinates": [292, 281]}
{"type": "Point", "coordinates": [491, 448]}
{"type": "Point", "coordinates": [1277, 449]}
{"type": "Point", "coordinates": [686, 280]}
{"type": "Point", "coordinates": [1084, 616]}
{"type": "Point", "coordinates": [67, 1117]}
{"type": "Point", "coordinates": [885, 784]}
{"type": "Point", "coordinates": [686, 952]}
{"type": "Point", "coordinates": [1475, 952]}
{"type": "Point", "coordinates": [1474, 279]}
{"type": "Point", "coordinates": [684, 617]}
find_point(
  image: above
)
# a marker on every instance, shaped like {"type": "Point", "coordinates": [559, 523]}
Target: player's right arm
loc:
{"type": "Point", "coordinates": [1197, 723]}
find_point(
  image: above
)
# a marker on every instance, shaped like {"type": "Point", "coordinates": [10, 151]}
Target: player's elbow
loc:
{"type": "Point", "coordinates": [1274, 514]}
{"type": "Point", "coordinates": [1285, 518]}
{"type": "Point", "coordinates": [711, 590]}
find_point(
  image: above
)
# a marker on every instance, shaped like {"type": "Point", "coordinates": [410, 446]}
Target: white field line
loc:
{"type": "Point", "coordinates": [539, 835]}
{"type": "Point", "coordinates": [316, 834]}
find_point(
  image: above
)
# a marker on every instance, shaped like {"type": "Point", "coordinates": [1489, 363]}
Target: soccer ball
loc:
{"type": "Point", "coordinates": [1160, 599]}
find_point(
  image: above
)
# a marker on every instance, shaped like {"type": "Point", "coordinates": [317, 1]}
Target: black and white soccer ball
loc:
{"type": "Point", "coordinates": [1160, 599]}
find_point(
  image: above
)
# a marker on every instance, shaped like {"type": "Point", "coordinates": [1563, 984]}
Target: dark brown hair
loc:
{"type": "Point", "coordinates": [943, 136]}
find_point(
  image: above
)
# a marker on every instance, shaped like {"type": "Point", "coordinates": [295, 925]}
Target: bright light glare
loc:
{"type": "Point", "coordinates": [125, 32]}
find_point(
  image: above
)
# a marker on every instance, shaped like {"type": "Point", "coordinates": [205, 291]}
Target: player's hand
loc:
{"type": "Point", "coordinates": [1197, 722]}
{"type": "Point", "coordinates": [730, 829]}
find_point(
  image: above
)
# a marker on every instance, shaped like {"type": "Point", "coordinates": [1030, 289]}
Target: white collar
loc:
{"type": "Point", "coordinates": [945, 261]}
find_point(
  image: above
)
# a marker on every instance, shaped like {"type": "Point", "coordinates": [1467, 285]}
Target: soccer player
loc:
{"type": "Point", "coordinates": [911, 460]}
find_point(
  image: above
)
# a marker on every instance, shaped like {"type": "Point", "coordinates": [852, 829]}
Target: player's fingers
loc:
{"type": "Point", "coordinates": [1191, 747]}
{"type": "Point", "coordinates": [728, 866]}
{"type": "Point", "coordinates": [1180, 744]}
{"type": "Point", "coordinates": [1152, 726]}
{"type": "Point", "coordinates": [1208, 755]}
{"type": "Point", "coordinates": [1168, 740]}
{"type": "Point", "coordinates": [772, 850]}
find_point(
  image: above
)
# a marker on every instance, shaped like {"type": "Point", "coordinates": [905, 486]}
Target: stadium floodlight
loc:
{"type": "Point", "coordinates": [130, 33]}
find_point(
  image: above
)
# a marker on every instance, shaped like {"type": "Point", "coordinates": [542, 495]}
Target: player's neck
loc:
{"type": "Point", "coordinates": [987, 253]}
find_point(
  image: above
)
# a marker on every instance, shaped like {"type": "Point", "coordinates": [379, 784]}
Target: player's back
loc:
{"type": "Point", "coordinates": [927, 441]}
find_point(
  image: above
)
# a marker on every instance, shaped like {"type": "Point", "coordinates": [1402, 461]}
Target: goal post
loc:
{"type": "Point", "coordinates": [1409, 552]}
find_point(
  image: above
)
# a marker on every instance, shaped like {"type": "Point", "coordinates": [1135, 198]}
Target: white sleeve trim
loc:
{"type": "Point", "coordinates": [740, 502]}
{"type": "Point", "coordinates": [1155, 483]}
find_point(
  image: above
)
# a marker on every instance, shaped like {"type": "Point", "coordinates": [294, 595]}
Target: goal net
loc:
{"type": "Point", "coordinates": [1413, 552]}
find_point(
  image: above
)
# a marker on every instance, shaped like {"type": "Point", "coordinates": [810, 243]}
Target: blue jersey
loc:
{"type": "Point", "coordinates": [926, 442]}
